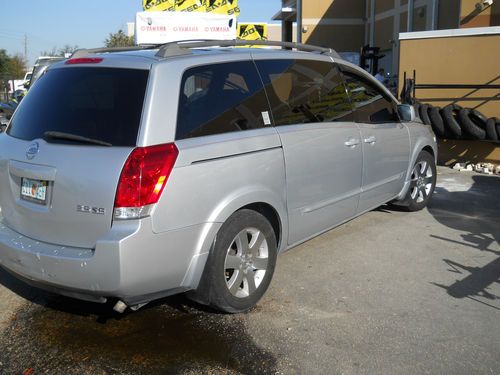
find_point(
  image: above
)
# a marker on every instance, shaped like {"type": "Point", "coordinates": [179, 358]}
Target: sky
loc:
{"type": "Point", "coordinates": [85, 23]}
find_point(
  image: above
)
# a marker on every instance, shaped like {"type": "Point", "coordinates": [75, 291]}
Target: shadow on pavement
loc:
{"type": "Point", "coordinates": [476, 213]}
{"type": "Point", "coordinates": [173, 335]}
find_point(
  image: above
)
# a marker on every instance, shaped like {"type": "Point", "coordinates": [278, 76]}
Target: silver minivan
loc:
{"type": "Point", "coordinates": [135, 175]}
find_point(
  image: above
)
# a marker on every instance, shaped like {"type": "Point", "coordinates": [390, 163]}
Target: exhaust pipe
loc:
{"type": "Point", "coordinates": [120, 307]}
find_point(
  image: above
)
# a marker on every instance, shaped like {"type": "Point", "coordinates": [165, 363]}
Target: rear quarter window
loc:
{"type": "Point", "coordinates": [99, 103]}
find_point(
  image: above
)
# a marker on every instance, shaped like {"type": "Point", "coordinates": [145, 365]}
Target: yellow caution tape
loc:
{"type": "Point", "coordinates": [158, 5]}
{"type": "Point", "coordinates": [252, 31]}
{"type": "Point", "coordinates": [228, 7]}
{"type": "Point", "coordinates": [190, 6]}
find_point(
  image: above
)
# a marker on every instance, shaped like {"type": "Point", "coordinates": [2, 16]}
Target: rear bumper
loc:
{"type": "Point", "coordinates": [131, 263]}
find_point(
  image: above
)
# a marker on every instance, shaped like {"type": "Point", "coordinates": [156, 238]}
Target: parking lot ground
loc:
{"type": "Point", "coordinates": [387, 293]}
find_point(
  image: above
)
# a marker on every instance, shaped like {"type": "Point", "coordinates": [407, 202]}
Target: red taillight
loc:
{"type": "Point", "coordinates": [144, 175]}
{"type": "Point", "coordinates": [84, 60]}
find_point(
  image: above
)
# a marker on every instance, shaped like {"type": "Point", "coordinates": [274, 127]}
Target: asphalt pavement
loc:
{"type": "Point", "coordinates": [390, 292]}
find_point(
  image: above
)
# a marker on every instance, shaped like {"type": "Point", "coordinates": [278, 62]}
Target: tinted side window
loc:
{"type": "Point", "coordinates": [99, 103]}
{"type": "Point", "coordinates": [220, 98]}
{"type": "Point", "coordinates": [305, 91]}
{"type": "Point", "coordinates": [370, 104]}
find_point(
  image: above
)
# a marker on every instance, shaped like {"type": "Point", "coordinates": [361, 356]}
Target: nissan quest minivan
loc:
{"type": "Point", "coordinates": [134, 175]}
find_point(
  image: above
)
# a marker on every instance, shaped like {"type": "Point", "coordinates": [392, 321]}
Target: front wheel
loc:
{"type": "Point", "coordinates": [241, 264]}
{"type": "Point", "coordinates": [422, 183]}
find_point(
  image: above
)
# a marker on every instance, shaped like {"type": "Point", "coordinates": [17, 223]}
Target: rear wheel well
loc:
{"type": "Point", "coordinates": [270, 214]}
{"type": "Point", "coordinates": [429, 150]}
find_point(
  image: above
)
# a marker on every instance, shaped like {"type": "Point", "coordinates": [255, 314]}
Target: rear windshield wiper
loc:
{"type": "Point", "coordinates": [51, 135]}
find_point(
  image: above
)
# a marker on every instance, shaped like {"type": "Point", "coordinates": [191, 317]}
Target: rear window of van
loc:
{"type": "Point", "coordinates": [103, 104]}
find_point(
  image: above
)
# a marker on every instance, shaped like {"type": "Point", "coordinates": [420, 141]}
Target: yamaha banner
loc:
{"type": "Point", "coordinates": [165, 27]}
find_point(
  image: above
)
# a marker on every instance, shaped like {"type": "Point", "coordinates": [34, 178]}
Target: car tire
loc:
{"type": "Point", "coordinates": [424, 114]}
{"type": "Point", "coordinates": [416, 107]}
{"type": "Point", "coordinates": [437, 122]}
{"type": "Point", "coordinates": [241, 264]}
{"type": "Point", "coordinates": [491, 130]}
{"type": "Point", "coordinates": [448, 113]}
{"type": "Point", "coordinates": [422, 183]}
{"type": "Point", "coordinates": [471, 124]}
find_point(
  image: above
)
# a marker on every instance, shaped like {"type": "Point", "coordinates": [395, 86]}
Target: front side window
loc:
{"type": "Point", "coordinates": [220, 98]}
{"type": "Point", "coordinates": [305, 91]}
{"type": "Point", "coordinates": [370, 103]}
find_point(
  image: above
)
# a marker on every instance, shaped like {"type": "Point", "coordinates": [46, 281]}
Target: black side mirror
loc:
{"type": "Point", "coordinates": [406, 112]}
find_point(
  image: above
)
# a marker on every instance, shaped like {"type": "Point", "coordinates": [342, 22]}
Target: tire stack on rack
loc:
{"type": "Point", "coordinates": [455, 122]}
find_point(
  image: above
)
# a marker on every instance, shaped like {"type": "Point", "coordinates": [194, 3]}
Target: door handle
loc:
{"type": "Point", "coordinates": [371, 139]}
{"type": "Point", "coordinates": [352, 142]}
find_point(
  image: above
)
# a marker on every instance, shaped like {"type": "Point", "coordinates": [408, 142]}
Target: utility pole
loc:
{"type": "Point", "coordinates": [435, 14]}
{"type": "Point", "coordinates": [299, 20]}
{"type": "Point", "coordinates": [411, 7]}
{"type": "Point", "coordinates": [372, 24]}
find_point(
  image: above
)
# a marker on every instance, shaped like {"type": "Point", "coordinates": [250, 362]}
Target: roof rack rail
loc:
{"type": "Point", "coordinates": [182, 47]}
{"type": "Point", "coordinates": [85, 52]}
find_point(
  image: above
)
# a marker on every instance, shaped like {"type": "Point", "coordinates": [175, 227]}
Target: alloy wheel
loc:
{"type": "Point", "coordinates": [421, 181]}
{"type": "Point", "coordinates": [246, 262]}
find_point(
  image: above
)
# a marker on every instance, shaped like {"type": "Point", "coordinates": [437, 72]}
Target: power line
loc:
{"type": "Point", "coordinates": [11, 37]}
{"type": "Point", "coordinates": [11, 31]}
{"type": "Point", "coordinates": [20, 36]}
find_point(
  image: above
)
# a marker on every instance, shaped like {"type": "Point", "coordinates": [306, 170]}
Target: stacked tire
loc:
{"type": "Point", "coordinates": [455, 122]}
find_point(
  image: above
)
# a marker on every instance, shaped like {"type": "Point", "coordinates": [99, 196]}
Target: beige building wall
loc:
{"type": "Point", "coordinates": [345, 25]}
{"type": "Point", "coordinates": [471, 17]}
{"type": "Point", "coordinates": [333, 9]}
{"type": "Point", "coordinates": [455, 60]}
{"type": "Point", "coordinates": [274, 32]}
{"type": "Point", "coordinates": [331, 36]}
{"type": "Point", "coordinates": [338, 24]}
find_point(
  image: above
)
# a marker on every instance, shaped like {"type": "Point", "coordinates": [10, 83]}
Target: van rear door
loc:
{"type": "Point", "coordinates": [62, 155]}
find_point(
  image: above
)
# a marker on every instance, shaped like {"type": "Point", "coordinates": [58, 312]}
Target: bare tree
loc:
{"type": "Point", "coordinates": [119, 39]}
{"type": "Point", "coordinates": [67, 49]}
{"type": "Point", "coordinates": [59, 51]}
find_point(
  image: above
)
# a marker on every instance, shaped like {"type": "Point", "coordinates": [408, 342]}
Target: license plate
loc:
{"type": "Point", "coordinates": [34, 190]}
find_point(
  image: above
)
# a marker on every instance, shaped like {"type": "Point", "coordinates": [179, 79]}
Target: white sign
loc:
{"type": "Point", "coordinates": [165, 27]}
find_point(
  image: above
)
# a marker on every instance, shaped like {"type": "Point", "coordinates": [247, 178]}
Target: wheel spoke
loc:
{"type": "Point", "coordinates": [260, 263]}
{"type": "Point", "coordinates": [256, 243]}
{"type": "Point", "coordinates": [420, 197]}
{"type": "Point", "coordinates": [424, 193]}
{"type": "Point", "coordinates": [414, 193]}
{"type": "Point", "coordinates": [417, 170]}
{"type": "Point", "coordinates": [236, 282]}
{"type": "Point", "coordinates": [233, 262]}
{"type": "Point", "coordinates": [428, 180]}
{"type": "Point", "coordinates": [242, 242]}
{"type": "Point", "coordinates": [423, 168]}
{"type": "Point", "coordinates": [250, 278]}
